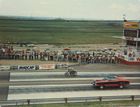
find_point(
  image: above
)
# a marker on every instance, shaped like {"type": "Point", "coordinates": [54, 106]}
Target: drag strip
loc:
{"type": "Point", "coordinates": [4, 77]}
{"type": "Point", "coordinates": [44, 76]}
{"type": "Point", "coordinates": [29, 74]}
{"type": "Point", "coordinates": [59, 88]}
{"type": "Point", "coordinates": [62, 76]}
{"type": "Point", "coordinates": [30, 85]}
{"type": "Point", "coordinates": [65, 79]}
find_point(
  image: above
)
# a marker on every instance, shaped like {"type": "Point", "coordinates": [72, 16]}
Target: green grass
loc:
{"type": "Point", "coordinates": [92, 104]}
{"type": "Point", "coordinates": [60, 31]}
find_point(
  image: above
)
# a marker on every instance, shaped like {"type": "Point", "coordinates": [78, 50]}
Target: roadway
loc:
{"type": "Point", "coordinates": [27, 89]}
{"type": "Point", "coordinates": [4, 78]}
{"type": "Point", "coordinates": [46, 78]}
{"type": "Point", "coordinates": [39, 74]}
{"type": "Point", "coordinates": [30, 85]}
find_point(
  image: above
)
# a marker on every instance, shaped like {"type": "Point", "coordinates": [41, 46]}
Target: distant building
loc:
{"type": "Point", "coordinates": [130, 53]}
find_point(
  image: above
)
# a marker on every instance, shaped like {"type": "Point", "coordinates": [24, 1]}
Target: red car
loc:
{"type": "Point", "coordinates": [111, 81]}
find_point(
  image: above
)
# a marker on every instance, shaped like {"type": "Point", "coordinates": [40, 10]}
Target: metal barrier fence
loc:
{"type": "Point", "coordinates": [69, 100]}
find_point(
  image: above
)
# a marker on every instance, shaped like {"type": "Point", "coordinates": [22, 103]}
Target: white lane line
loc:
{"type": "Point", "coordinates": [73, 94]}
{"type": "Point", "coordinates": [46, 86]}
{"type": "Point", "coordinates": [59, 85]}
{"type": "Point", "coordinates": [59, 79]}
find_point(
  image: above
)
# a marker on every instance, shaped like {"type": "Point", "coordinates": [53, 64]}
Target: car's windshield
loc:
{"type": "Point", "coordinates": [109, 77]}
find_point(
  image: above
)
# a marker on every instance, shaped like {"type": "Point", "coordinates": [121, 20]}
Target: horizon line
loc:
{"type": "Point", "coordinates": [54, 18]}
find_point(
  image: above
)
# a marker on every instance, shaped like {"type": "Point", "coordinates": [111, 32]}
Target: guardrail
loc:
{"type": "Point", "coordinates": [69, 100]}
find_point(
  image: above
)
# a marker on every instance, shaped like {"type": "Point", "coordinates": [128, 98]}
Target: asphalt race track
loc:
{"type": "Point", "coordinates": [4, 78]}
{"type": "Point", "coordinates": [31, 84]}
{"type": "Point", "coordinates": [60, 88]}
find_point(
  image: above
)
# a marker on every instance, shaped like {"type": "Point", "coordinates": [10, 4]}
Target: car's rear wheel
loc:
{"type": "Point", "coordinates": [101, 87]}
{"type": "Point", "coordinates": [121, 86]}
{"type": "Point", "coordinates": [67, 74]}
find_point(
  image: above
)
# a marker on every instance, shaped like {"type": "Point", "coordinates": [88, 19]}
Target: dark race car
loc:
{"type": "Point", "coordinates": [111, 81]}
{"type": "Point", "coordinates": [70, 73]}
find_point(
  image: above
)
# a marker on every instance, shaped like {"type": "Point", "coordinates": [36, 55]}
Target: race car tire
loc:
{"type": "Point", "coordinates": [101, 87]}
{"type": "Point", "coordinates": [121, 86]}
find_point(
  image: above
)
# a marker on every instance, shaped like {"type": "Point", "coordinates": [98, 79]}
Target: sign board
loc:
{"type": "Point", "coordinates": [4, 68]}
{"type": "Point", "coordinates": [129, 38]}
{"type": "Point", "coordinates": [131, 25]}
{"type": "Point", "coordinates": [26, 67]}
{"type": "Point", "coordinates": [47, 66]}
{"type": "Point", "coordinates": [62, 66]}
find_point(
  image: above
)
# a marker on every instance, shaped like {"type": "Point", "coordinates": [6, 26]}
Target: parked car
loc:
{"type": "Point", "coordinates": [111, 81]}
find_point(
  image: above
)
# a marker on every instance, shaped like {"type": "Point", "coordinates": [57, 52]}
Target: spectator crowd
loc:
{"type": "Point", "coordinates": [82, 57]}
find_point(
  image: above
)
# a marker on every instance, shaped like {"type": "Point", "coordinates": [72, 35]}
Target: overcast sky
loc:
{"type": "Point", "coordinates": [85, 9]}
